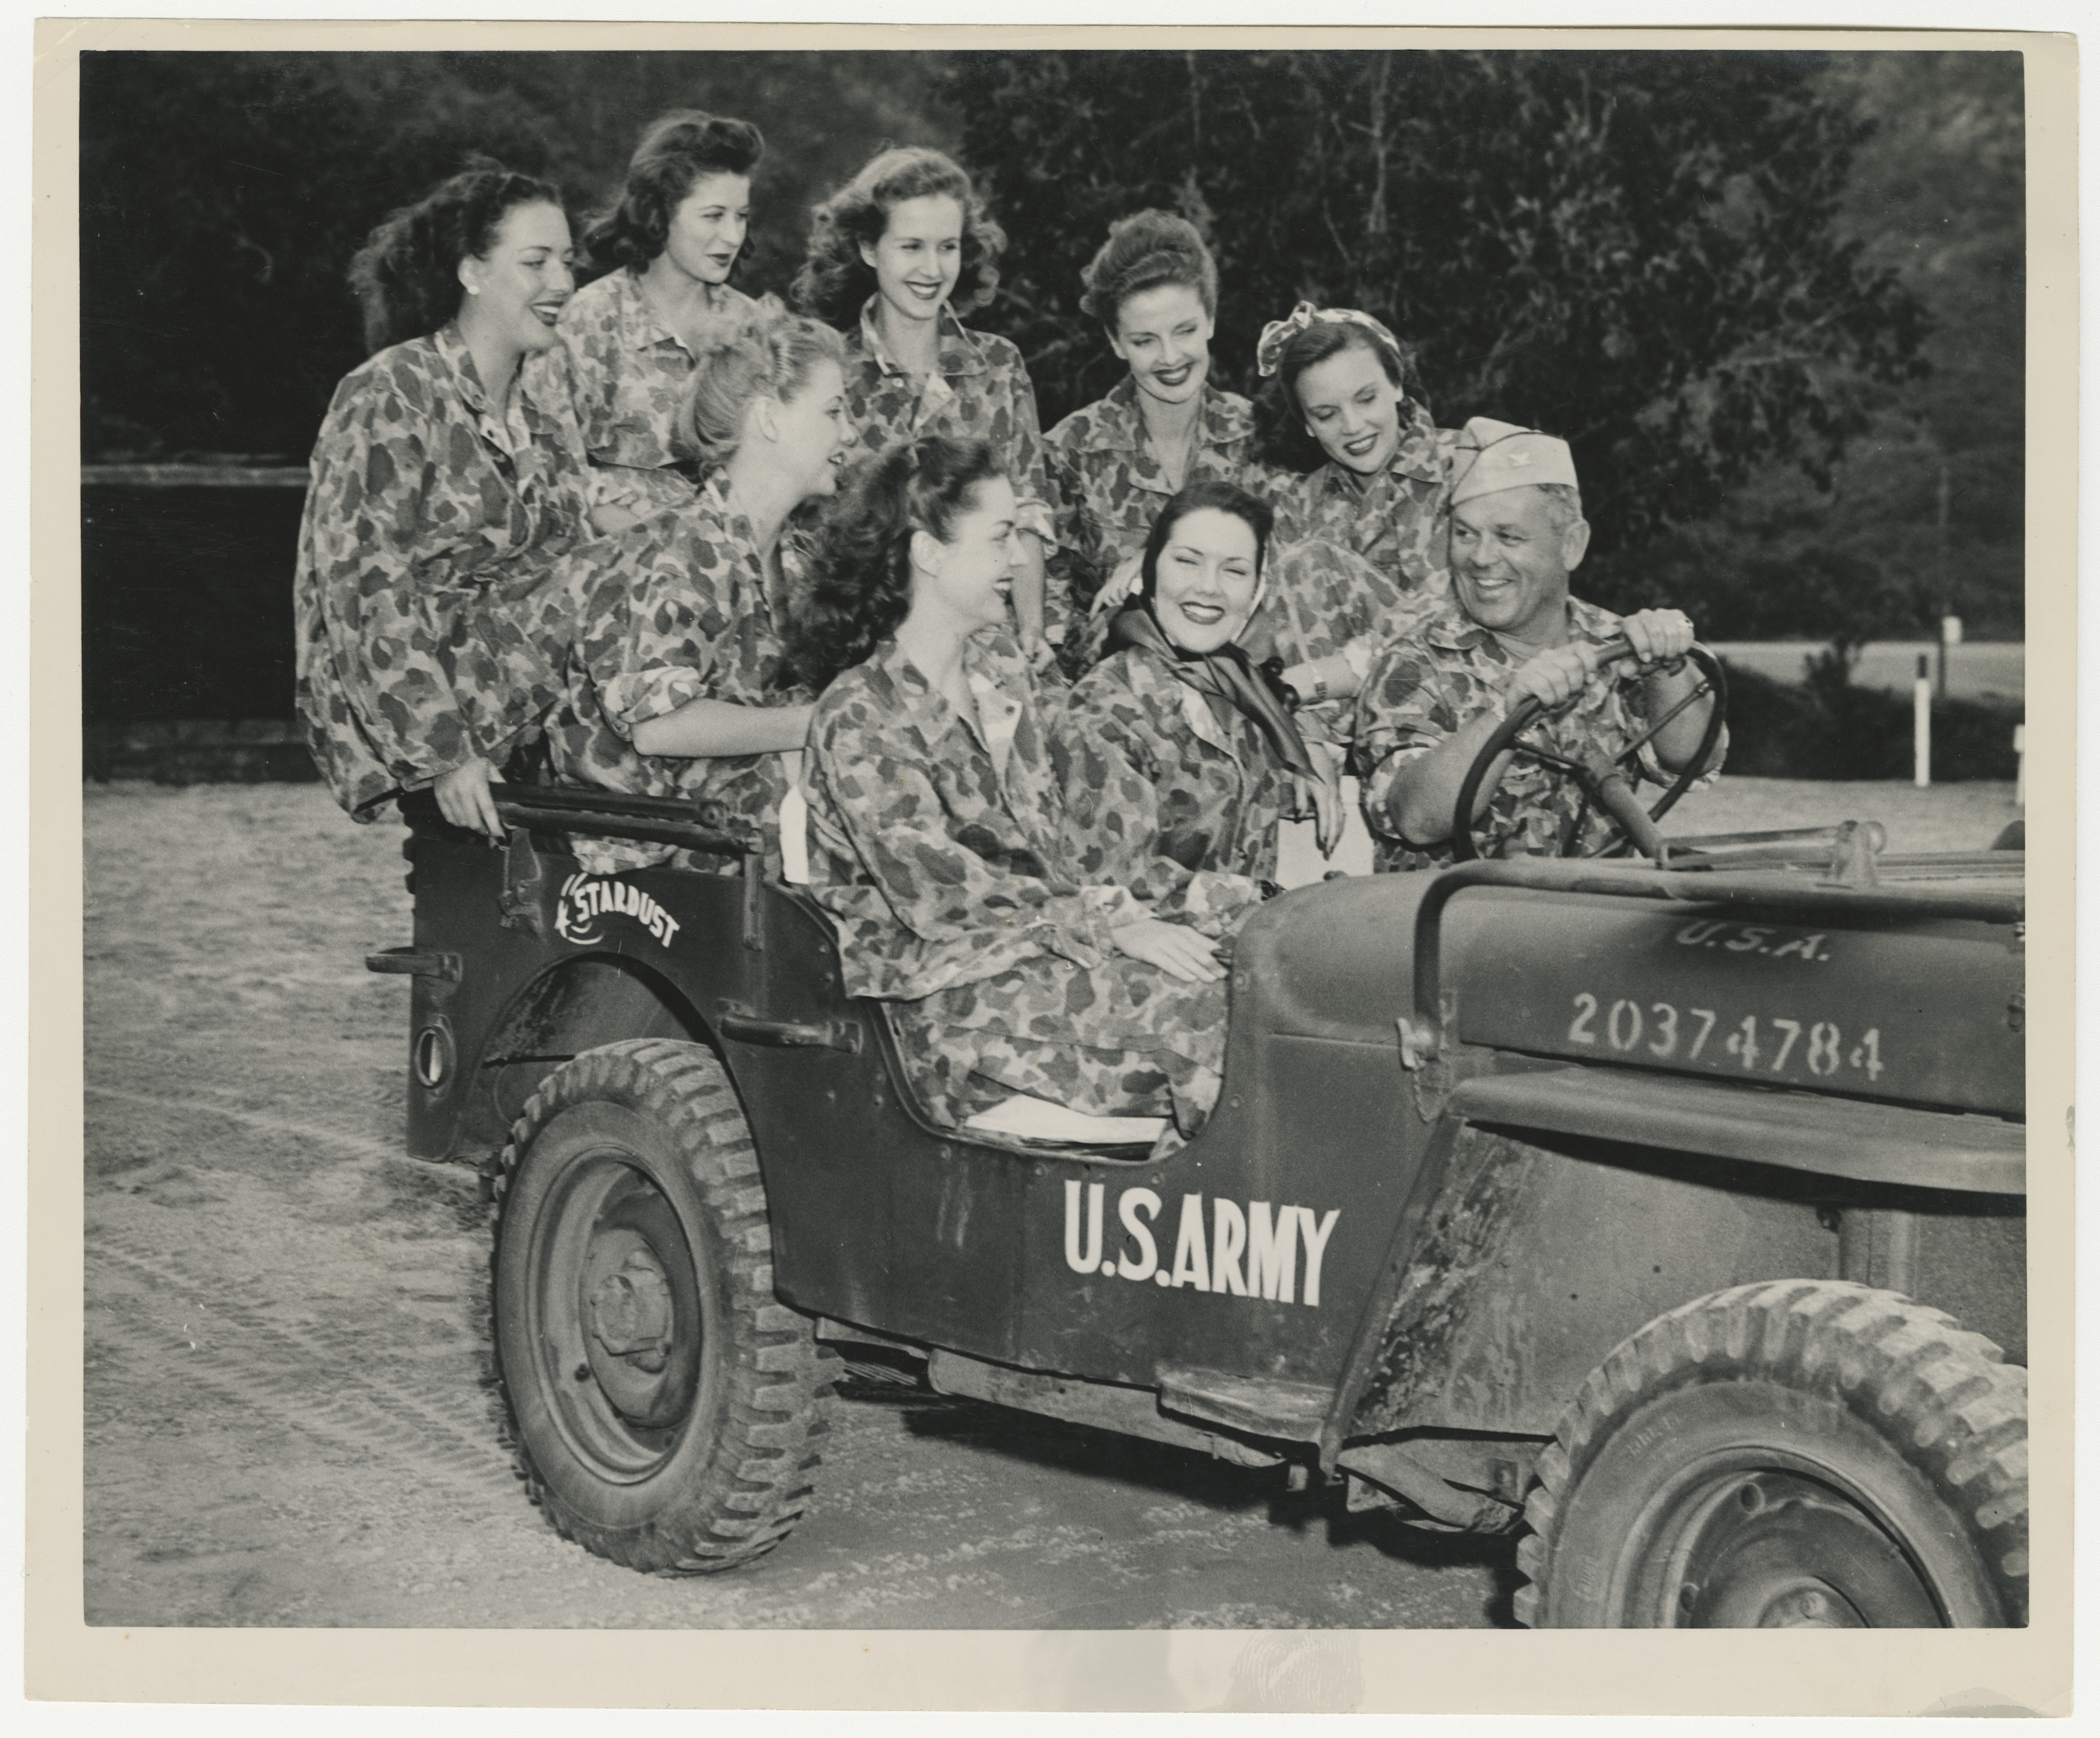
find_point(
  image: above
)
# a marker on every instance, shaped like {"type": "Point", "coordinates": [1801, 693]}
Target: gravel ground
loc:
{"type": "Point", "coordinates": [288, 1414]}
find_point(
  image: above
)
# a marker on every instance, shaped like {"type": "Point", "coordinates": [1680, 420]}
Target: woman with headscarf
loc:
{"type": "Point", "coordinates": [1374, 467]}
{"type": "Point", "coordinates": [1177, 753]}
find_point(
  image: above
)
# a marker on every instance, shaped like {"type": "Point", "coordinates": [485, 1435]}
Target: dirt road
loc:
{"type": "Point", "coordinates": [289, 1419]}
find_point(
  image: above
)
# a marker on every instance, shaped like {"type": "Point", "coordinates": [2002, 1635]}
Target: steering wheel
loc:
{"type": "Point", "coordinates": [1607, 780]}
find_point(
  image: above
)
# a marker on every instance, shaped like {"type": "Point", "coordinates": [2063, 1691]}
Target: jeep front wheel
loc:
{"type": "Point", "coordinates": [1801, 1454]}
{"type": "Point", "coordinates": [666, 1408]}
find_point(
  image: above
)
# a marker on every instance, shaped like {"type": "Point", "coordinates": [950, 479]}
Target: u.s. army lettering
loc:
{"type": "Point", "coordinates": [1250, 1252]}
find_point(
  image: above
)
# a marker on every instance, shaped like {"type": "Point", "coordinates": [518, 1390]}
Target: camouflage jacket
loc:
{"type": "Point", "coordinates": [937, 841]}
{"type": "Point", "coordinates": [676, 608]}
{"type": "Point", "coordinates": [1322, 602]}
{"type": "Point", "coordinates": [980, 390]}
{"type": "Point", "coordinates": [1399, 520]}
{"type": "Point", "coordinates": [1164, 799]}
{"type": "Point", "coordinates": [429, 623]}
{"type": "Point", "coordinates": [629, 374]}
{"type": "Point", "coordinates": [1108, 488]}
{"type": "Point", "coordinates": [1429, 685]}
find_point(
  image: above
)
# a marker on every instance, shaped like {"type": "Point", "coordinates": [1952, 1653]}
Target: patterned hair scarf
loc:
{"type": "Point", "coordinates": [1226, 675]}
{"type": "Point", "coordinates": [1268, 351]}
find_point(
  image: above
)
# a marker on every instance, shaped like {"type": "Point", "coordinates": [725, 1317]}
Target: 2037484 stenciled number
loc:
{"type": "Point", "coordinates": [1660, 1033]}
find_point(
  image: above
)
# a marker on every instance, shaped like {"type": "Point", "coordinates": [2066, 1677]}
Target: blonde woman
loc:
{"type": "Point", "coordinates": [679, 687]}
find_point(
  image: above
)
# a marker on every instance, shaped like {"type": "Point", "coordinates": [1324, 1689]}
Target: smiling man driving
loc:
{"type": "Point", "coordinates": [1511, 630]}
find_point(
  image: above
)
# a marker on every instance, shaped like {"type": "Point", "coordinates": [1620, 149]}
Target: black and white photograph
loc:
{"type": "Point", "coordinates": [1131, 838]}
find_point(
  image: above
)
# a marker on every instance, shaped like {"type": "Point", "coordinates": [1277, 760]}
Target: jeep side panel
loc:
{"type": "Point", "coordinates": [1266, 1234]}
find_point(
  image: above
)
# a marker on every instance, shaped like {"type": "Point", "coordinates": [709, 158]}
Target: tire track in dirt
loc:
{"type": "Point", "coordinates": [357, 1145]}
{"type": "Point", "coordinates": [310, 1376]}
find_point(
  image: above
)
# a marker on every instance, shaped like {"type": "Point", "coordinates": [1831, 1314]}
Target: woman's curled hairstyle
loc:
{"type": "Point", "coordinates": [743, 354]}
{"type": "Point", "coordinates": [407, 274]}
{"type": "Point", "coordinates": [835, 281]}
{"type": "Point", "coordinates": [676, 153]}
{"type": "Point", "coordinates": [1144, 251]}
{"type": "Point", "coordinates": [1216, 494]}
{"type": "Point", "coordinates": [863, 587]}
{"type": "Point", "coordinates": [1279, 423]}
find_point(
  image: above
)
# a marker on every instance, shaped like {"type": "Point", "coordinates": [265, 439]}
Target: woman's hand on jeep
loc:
{"type": "Point", "coordinates": [465, 798]}
{"type": "Point", "coordinates": [1179, 952]}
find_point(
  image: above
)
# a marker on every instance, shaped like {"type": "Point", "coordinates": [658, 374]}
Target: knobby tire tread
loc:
{"type": "Point", "coordinates": [757, 1483]}
{"type": "Point", "coordinates": [1940, 1395]}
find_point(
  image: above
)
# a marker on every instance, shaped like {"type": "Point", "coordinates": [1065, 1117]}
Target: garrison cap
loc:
{"type": "Point", "coordinates": [1491, 456]}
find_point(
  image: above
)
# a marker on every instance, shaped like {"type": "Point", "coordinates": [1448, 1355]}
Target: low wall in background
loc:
{"type": "Point", "coordinates": [186, 592]}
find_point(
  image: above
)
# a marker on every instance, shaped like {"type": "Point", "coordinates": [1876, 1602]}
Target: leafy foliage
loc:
{"type": "Point", "coordinates": [1936, 196]}
{"type": "Point", "coordinates": [1831, 730]}
{"type": "Point", "coordinates": [1637, 251]}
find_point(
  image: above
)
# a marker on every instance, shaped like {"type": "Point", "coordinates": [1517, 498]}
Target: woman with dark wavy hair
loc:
{"type": "Point", "coordinates": [1178, 753]}
{"type": "Point", "coordinates": [1153, 287]}
{"type": "Point", "coordinates": [895, 258]}
{"type": "Point", "coordinates": [938, 827]}
{"type": "Point", "coordinates": [679, 684]}
{"type": "Point", "coordinates": [1373, 467]}
{"type": "Point", "coordinates": [448, 482]}
{"type": "Point", "coordinates": [667, 250]}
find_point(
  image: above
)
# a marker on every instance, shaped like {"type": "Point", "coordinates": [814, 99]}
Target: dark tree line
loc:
{"type": "Point", "coordinates": [1637, 251]}
{"type": "Point", "coordinates": [1925, 511]}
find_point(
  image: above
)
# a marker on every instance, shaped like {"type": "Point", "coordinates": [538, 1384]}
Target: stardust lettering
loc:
{"type": "Point", "coordinates": [586, 898]}
{"type": "Point", "coordinates": [1258, 1250]}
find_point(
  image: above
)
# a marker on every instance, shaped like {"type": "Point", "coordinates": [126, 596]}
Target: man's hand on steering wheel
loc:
{"type": "Point", "coordinates": [1555, 677]}
{"type": "Point", "coordinates": [1657, 636]}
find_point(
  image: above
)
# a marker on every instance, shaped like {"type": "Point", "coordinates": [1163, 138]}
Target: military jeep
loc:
{"type": "Point", "coordinates": [1667, 1211]}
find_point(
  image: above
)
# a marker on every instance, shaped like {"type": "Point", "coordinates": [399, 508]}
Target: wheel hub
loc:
{"type": "Point", "coordinates": [631, 1314]}
{"type": "Point", "coordinates": [1770, 1549]}
{"type": "Point", "coordinates": [1773, 1602]}
{"type": "Point", "coordinates": [640, 1335]}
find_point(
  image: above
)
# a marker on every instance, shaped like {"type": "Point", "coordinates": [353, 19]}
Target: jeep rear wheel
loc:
{"type": "Point", "coordinates": [1801, 1453]}
{"type": "Point", "coordinates": [666, 1408]}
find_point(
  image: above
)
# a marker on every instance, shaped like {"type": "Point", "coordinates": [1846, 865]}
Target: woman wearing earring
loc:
{"type": "Point", "coordinates": [667, 250]}
{"type": "Point", "coordinates": [1374, 465]}
{"type": "Point", "coordinates": [896, 256]}
{"type": "Point", "coordinates": [1178, 754]}
{"type": "Point", "coordinates": [1153, 286]}
{"type": "Point", "coordinates": [938, 828]}
{"type": "Point", "coordinates": [445, 490]}
{"type": "Point", "coordinates": [679, 686]}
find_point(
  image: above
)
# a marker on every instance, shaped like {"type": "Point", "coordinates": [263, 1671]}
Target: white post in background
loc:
{"type": "Point", "coordinates": [1921, 736]}
{"type": "Point", "coordinates": [1950, 637]}
{"type": "Point", "coordinates": [2020, 766]}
